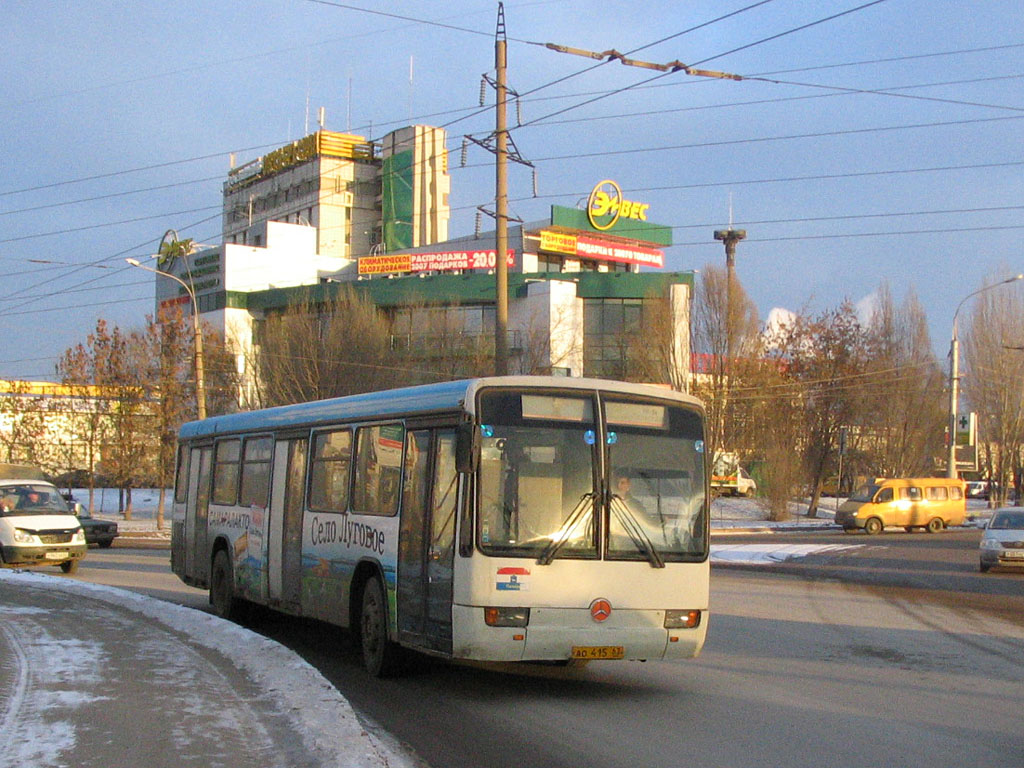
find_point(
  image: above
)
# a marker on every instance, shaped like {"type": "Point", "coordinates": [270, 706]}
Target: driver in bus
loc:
{"type": "Point", "coordinates": [624, 490]}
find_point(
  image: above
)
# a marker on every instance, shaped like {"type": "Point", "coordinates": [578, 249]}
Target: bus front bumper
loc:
{"type": "Point", "coordinates": [558, 634]}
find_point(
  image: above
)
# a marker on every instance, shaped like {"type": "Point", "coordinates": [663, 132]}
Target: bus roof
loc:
{"type": "Point", "coordinates": [443, 397]}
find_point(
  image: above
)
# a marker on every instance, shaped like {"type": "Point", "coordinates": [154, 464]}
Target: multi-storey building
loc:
{"type": "Point", "coordinates": [334, 209]}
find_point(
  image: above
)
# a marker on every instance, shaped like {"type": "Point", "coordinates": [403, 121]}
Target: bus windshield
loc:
{"type": "Point", "coordinates": [540, 482]}
{"type": "Point", "coordinates": [537, 474]}
{"type": "Point", "coordinates": [656, 462]}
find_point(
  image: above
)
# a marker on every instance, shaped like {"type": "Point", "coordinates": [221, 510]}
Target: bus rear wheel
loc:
{"type": "Point", "coordinates": [222, 586]}
{"type": "Point", "coordinates": [935, 525]}
{"type": "Point", "coordinates": [381, 657]}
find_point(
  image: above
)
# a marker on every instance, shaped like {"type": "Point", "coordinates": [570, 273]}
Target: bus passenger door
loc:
{"type": "Point", "coordinates": [197, 507]}
{"type": "Point", "coordinates": [284, 558]}
{"type": "Point", "coordinates": [427, 540]}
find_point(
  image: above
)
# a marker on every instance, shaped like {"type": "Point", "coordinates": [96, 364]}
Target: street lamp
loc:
{"type": "Point", "coordinates": [954, 373]}
{"type": "Point", "coordinates": [196, 331]}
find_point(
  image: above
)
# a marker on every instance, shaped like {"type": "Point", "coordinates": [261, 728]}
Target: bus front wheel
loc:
{"type": "Point", "coordinates": [381, 657]}
{"type": "Point", "coordinates": [873, 526]}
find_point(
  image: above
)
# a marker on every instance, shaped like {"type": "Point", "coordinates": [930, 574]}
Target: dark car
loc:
{"type": "Point", "coordinates": [101, 532]}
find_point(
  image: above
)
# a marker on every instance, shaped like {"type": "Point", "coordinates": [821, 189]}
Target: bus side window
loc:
{"type": "Point", "coordinates": [883, 496]}
{"type": "Point", "coordinates": [225, 472]}
{"type": "Point", "coordinates": [256, 471]}
{"type": "Point", "coordinates": [378, 470]}
{"type": "Point", "coordinates": [181, 474]}
{"type": "Point", "coordinates": [332, 457]}
{"type": "Point", "coordinates": [937, 493]}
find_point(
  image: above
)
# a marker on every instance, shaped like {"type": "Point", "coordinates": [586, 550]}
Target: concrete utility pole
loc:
{"type": "Point", "coordinates": [501, 199]}
{"type": "Point", "coordinates": [197, 335]}
{"type": "Point", "coordinates": [954, 374]}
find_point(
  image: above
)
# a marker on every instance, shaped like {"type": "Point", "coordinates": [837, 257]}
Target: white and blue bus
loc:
{"type": "Point", "coordinates": [516, 518]}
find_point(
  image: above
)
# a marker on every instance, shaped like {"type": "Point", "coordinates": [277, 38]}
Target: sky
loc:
{"type": "Point", "coordinates": [867, 142]}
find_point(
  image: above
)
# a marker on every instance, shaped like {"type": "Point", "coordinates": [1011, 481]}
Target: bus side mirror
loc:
{"type": "Point", "coordinates": [467, 447]}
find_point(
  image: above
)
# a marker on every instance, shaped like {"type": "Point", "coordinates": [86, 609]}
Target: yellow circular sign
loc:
{"type": "Point", "coordinates": [605, 200]}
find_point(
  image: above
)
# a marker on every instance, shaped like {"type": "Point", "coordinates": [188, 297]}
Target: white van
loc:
{"type": "Point", "coordinates": [36, 525]}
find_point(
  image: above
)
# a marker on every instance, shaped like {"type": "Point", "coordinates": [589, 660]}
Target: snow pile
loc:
{"type": "Point", "coordinates": [318, 711]}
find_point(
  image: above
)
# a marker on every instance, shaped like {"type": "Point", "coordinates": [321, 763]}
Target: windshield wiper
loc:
{"type": "Point", "coordinates": [636, 532]}
{"type": "Point", "coordinates": [560, 538]}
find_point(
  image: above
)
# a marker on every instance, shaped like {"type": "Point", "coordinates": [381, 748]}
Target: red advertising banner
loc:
{"type": "Point", "coordinates": [630, 254]}
{"type": "Point", "coordinates": [434, 262]}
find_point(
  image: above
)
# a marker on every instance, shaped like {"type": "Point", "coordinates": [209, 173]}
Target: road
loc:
{"type": "Point", "coordinates": [900, 667]}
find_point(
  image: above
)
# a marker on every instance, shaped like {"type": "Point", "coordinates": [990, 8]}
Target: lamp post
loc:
{"type": "Point", "coordinates": [196, 331]}
{"type": "Point", "coordinates": [954, 372]}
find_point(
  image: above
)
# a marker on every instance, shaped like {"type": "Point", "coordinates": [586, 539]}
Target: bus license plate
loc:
{"type": "Point", "coordinates": [598, 651]}
{"type": "Point", "coordinates": [56, 555]}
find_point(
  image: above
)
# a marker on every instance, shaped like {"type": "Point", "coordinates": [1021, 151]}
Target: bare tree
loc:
{"type": "Point", "coordinates": [167, 344]}
{"type": "Point", "coordinates": [900, 433]}
{"type": "Point", "coordinates": [312, 352]}
{"type": "Point", "coordinates": [111, 364]}
{"type": "Point", "coordinates": [993, 383]}
{"type": "Point", "coordinates": [771, 409]}
{"type": "Point", "coordinates": [655, 352]}
{"type": "Point", "coordinates": [725, 331]}
{"type": "Point", "coordinates": [825, 357]}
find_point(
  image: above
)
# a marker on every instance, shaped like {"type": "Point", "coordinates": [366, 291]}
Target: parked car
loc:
{"type": "Point", "coordinates": [1002, 541]}
{"type": "Point", "coordinates": [99, 532]}
{"type": "Point", "coordinates": [977, 489]}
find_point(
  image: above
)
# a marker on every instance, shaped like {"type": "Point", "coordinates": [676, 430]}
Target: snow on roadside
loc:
{"type": "Point", "coordinates": [322, 716]}
{"type": "Point", "coordinates": [759, 554]}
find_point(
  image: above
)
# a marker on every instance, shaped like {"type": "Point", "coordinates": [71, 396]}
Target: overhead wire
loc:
{"type": "Point", "coordinates": [610, 93]}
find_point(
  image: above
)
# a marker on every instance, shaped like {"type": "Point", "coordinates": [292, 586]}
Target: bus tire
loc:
{"type": "Point", "coordinates": [873, 526]}
{"type": "Point", "coordinates": [935, 525]}
{"type": "Point", "coordinates": [69, 566]}
{"type": "Point", "coordinates": [381, 657]}
{"type": "Point", "coordinates": [222, 586]}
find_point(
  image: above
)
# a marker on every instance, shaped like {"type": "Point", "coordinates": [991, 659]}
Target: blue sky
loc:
{"type": "Point", "coordinates": [880, 145]}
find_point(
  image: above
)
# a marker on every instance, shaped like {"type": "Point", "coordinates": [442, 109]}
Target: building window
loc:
{"type": "Point", "coordinates": [610, 328]}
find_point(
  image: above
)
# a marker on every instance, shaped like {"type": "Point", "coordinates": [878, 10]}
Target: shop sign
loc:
{"type": "Point", "coordinates": [557, 242]}
{"type": "Point", "coordinates": [384, 265]}
{"type": "Point", "coordinates": [432, 262]}
{"type": "Point", "coordinates": [606, 206]}
{"type": "Point", "coordinates": [629, 254]}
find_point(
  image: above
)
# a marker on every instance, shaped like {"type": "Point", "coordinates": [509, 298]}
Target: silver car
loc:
{"type": "Point", "coordinates": [1002, 542]}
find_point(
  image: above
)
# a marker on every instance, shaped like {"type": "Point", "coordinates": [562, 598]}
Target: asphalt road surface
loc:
{"type": "Point", "coordinates": [895, 653]}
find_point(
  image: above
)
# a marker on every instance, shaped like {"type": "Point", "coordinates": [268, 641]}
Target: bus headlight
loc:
{"type": "Point", "coordinates": [506, 617]}
{"type": "Point", "coordinates": [79, 537]}
{"type": "Point", "coordinates": [682, 619]}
